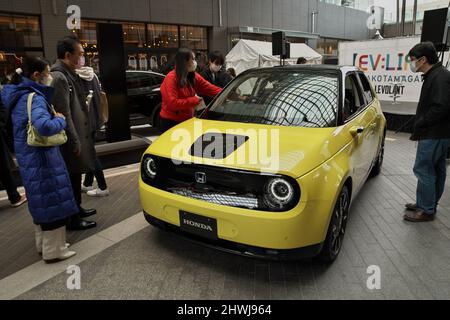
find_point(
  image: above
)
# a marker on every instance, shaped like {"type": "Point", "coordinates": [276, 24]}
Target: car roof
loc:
{"type": "Point", "coordinates": [144, 71]}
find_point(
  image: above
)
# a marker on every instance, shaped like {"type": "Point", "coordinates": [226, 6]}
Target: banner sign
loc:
{"type": "Point", "coordinates": [386, 64]}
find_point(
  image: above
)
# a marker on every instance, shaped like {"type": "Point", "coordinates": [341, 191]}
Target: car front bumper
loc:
{"type": "Point", "coordinates": [237, 248]}
{"type": "Point", "coordinates": [299, 232]}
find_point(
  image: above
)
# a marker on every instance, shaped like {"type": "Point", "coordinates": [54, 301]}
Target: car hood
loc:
{"type": "Point", "coordinates": [292, 151]}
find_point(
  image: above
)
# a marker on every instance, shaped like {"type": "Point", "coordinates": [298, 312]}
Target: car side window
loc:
{"type": "Point", "coordinates": [146, 80]}
{"type": "Point", "coordinates": [132, 80]}
{"type": "Point", "coordinates": [353, 99]}
{"type": "Point", "coordinates": [136, 80]}
{"type": "Point", "coordinates": [366, 88]}
{"type": "Point", "coordinates": [157, 80]}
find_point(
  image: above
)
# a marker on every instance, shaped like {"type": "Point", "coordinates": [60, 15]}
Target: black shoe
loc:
{"type": "Point", "coordinates": [81, 225]}
{"type": "Point", "coordinates": [84, 213]}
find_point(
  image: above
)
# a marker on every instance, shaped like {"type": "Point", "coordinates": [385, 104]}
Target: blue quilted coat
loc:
{"type": "Point", "coordinates": [43, 171]}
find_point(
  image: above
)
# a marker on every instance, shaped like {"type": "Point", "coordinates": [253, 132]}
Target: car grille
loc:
{"type": "Point", "coordinates": [223, 186]}
{"type": "Point", "coordinates": [247, 202]}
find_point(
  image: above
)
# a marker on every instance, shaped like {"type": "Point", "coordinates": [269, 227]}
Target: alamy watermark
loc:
{"type": "Point", "coordinates": [74, 280]}
{"type": "Point", "coordinates": [232, 147]}
{"type": "Point", "coordinates": [73, 17]}
{"type": "Point", "coordinates": [374, 280]}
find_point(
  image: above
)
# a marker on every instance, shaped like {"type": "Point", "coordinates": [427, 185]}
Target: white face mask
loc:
{"type": "Point", "coordinates": [193, 66]}
{"type": "Point", "coordinates": [47, 81]}
{"type": "Point", "coordinates": [413, 65]}
{"type": "Point", "coordinates": [215, 67]}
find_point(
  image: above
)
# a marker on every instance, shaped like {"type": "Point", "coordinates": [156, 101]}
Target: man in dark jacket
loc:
{"type": "Point", "coordinates": [6, 176]}
{"type": "Point", "coordinates": [214, 73]}
{"type": "Point", "coordinates": [431, 130]}
{"type": "Point", "coordinates": [70, 100]}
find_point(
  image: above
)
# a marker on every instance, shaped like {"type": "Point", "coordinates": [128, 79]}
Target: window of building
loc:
{"type": "Point", "coordinates": [162, 36]}
{"type": "Point", "coordinates": [19, 36]}
{"type": "Point", "coordinates": [148, 46]}
{"type": "Point", "coordinates": [134, 34]}
{"type": "Point", "coordinates": [355, 4]}
{"type": "Point", "coordinates": [88, 33]}
{"type": "Point", "coordinates": [20, 31]}
{"type": "Point", "coordinates": [195, 38]}
{"type": "Point", "coordinates": [327, 46]}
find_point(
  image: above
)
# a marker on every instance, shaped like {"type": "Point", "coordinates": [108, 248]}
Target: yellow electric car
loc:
{"type": "Point", "coordinates": [270, 167]}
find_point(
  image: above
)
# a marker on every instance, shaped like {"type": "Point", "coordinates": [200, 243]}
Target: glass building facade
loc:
{"type": "Point", "coordinates": [20, 35]}
{"type": "Point", "coordinates": [149, 46]}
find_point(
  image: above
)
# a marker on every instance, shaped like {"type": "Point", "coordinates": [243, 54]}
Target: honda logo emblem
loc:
{"type": "Point", "coordinates": [200, 177]}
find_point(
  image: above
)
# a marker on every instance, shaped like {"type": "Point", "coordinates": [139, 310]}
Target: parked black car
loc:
{"type": "Point", "coordinates": [144, 96]}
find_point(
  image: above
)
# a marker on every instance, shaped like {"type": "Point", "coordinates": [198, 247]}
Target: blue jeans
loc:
{"type": "Point", "coordinates": [430, 170]}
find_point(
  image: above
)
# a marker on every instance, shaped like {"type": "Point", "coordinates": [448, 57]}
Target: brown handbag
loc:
{"type": "Point", "coordinates": [103, 112]}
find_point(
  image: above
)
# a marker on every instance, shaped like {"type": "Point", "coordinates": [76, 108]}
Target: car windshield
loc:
{"type": "Point", "coordinates": [302, 98]}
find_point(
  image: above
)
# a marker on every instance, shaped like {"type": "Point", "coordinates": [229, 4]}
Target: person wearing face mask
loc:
{"type": "Point", "coordinates": [180, 88]}
{"type": "Point", "coordinates": [431, 130]}
{"type": "Point", "coordinates": [70, 100]}
{"type": "Point", "coordinates": [215, 73]}
{"type": "Point", "coordinates": [44, 174]}
{"type": "Point", "coordinates": [92, 88]}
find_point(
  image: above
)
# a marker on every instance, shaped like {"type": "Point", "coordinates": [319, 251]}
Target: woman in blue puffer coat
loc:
{"type": "Point", "coordinates": [45, 178]}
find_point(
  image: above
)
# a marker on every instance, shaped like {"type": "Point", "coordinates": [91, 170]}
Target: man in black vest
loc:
{"type": "Point", "coordinates": [431, 130]}
{"type": "Point", "coordinates": [70, 100]}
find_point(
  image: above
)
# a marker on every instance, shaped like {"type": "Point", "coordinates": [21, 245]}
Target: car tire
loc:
{"type": "Point", "coordinates": [376, 169]}
{"type": "Point", "coordinates": [336, 229]}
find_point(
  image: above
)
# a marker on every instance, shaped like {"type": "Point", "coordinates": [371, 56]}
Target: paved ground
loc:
{"type": "Point", "coordinates": [17, 249]}
{"type": "Point", "coordinates": [414, 259]}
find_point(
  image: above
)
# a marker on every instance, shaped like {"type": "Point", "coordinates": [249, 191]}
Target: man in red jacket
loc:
{"type": "Point", "coordinates": [180, 90]}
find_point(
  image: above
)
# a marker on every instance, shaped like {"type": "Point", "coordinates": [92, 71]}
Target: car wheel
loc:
{"type": "Point", "coordinates": [379, 162]}
{"type": "Point", "coordinates": [336, 230]}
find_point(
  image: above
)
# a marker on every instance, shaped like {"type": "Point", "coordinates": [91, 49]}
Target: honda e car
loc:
{"type": "Point", "coordinates": [270, 168]}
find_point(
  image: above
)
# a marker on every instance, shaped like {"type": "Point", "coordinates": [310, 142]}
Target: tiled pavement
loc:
{"type": "Point", "coordinates": [17, 248]}
{"type": "Point", "coordinates": [414, 258]}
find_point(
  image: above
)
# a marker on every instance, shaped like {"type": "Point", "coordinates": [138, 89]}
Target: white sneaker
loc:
{"type": "Point", "coordinates": [21, 201]}
{"type": "Point", "coordinates": [86, 189]}
{"type": "Point", "coordinates": [98, 193]}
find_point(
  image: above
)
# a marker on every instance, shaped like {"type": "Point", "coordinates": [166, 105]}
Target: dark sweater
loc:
{"type": "Point", "coordinates": [432, 119]}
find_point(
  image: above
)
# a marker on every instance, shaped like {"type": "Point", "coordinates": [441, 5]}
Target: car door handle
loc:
{"type": "Point", "coordinates": [354, 131]}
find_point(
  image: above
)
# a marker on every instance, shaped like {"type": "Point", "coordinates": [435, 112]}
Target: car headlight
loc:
{"type": "Point", "coordinates": [278, 193]}
{"type": "Point", "coordinates": [149, 167]}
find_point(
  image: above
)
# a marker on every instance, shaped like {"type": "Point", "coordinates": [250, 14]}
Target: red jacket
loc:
{"type": "Point", "coordinates": [178, 104]}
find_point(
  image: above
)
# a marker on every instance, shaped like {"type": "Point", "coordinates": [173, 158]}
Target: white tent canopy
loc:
{"type": "Point", "coordinates": [248, 54]}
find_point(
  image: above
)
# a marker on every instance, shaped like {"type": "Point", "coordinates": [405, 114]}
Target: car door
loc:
{"type": "Point", "coordinates": [377, 123]}
{"type": "Point", "coordinates": [133, 83]}
{"type": "Point", "coordinates": [141, 94]}
{"type": "Point", "coordinates": [154, 93]}
{"type": "Point", "coordinates": [358, 119]}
